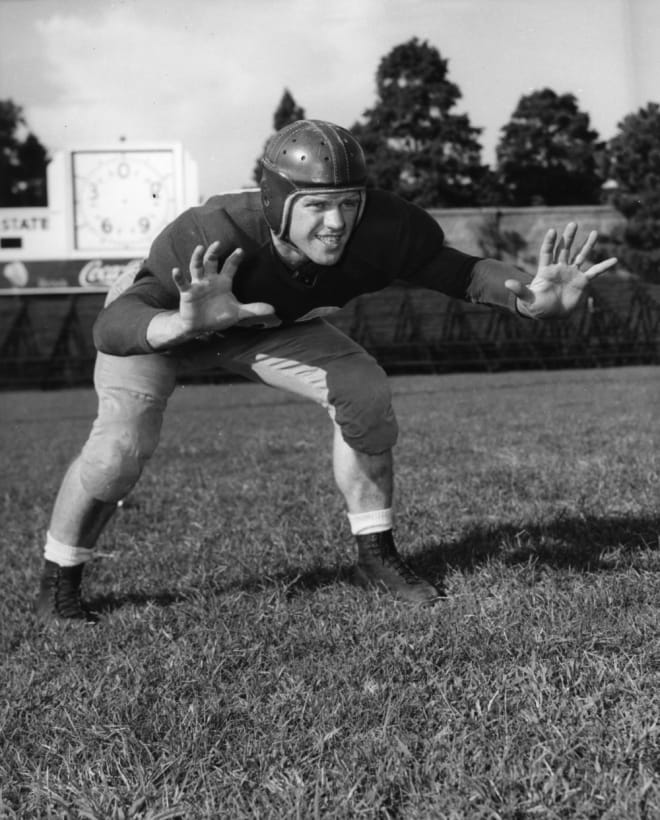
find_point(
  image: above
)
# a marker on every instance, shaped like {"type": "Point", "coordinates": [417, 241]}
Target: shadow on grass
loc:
{"type": "Point", "coordinates": [104, 604]}
{"type": "Point", "coordinates": [292, 581]}
{"type": "Point", "coordinates": [583, 543]}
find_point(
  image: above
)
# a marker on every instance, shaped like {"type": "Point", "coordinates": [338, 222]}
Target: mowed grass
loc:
{"type": "Point", "coordinates": [237, 672]}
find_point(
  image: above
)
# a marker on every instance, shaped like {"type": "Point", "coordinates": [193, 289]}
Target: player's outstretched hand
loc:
{"type": "Point", "coordinates": [207, 302]}
{"type": "Point", "coordinates": [559, 282]}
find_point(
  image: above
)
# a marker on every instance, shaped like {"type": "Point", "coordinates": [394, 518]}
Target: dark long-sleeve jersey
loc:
{"type": "Point", "coordinates": [394, 240]}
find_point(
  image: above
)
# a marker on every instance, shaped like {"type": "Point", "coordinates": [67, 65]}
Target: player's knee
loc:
{"type": "Point", "coordinates": [111, 467]}
{"type": "Point", "coordinates": [362, 402]}
{"type": "Point", "coordinates": [114, 457]}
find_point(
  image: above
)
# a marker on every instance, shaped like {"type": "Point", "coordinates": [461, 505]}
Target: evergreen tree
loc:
{"type": "Point", "coordinates": [22, 161]}
{"type": "Point", "coordinates": [415, 146]}
{"type": "Point", "coordinates": [632, 163]}
{"type": "Point", "coordinates": [287, 111]}
{"type": "Point", "coordinates": [547, 153]}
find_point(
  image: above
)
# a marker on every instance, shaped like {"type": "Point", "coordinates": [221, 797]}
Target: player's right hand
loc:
{"type": "Point", "coordinates": [207, 302]}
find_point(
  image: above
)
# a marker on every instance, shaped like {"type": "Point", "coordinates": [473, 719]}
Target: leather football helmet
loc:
{"type": "Point", "coordinates": [309, 157]}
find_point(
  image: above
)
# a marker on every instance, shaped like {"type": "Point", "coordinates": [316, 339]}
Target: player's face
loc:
{"type": "Point", "coordinates": [321, 225]}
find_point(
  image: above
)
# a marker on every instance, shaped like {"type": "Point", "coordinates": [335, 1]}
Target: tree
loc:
{"type": "Point", "coordinates": [547, 153]}
{"type": "Point", "coordinates": [632, 164]}
{"type": "Point", "coordinates": [414, 145]}
{"type": "Point", "coordinates": [22, 161]}
{"type": "Point", "coordinates": [287, 111]}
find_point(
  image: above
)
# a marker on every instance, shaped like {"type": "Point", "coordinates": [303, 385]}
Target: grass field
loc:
{"type": "Point", "coordinates": [237, 672]}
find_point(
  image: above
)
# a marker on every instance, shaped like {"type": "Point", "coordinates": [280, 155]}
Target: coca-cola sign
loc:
{"type": "Point", "coordinates": [96, 273]}
{"type": "Point", "coordinates": [64, 275]}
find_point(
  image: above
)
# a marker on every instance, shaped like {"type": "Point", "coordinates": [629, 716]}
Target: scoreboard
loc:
{"type": "Point", "coordinates": [105, 206]}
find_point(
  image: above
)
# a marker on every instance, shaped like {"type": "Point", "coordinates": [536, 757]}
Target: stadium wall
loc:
{"type": "Point", "coordinates": [45, 339]}
{"type": "Point", "coordinates": [474, 230]}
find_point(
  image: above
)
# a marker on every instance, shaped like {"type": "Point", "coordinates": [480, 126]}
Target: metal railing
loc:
{"type": "Point", "coordinates": [46, 340]}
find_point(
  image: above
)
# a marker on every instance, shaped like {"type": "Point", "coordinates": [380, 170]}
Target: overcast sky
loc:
{"type": "Point", "coordinates": [210, 73]}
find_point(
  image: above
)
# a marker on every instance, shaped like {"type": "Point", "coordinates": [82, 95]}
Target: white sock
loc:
{"type": "Point", "coordinates": [370, 522]}
{"type": "Point", "coordinates": [64, 554]}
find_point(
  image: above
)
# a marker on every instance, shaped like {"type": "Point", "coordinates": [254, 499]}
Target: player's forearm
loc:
{"type": "Point", "coordinates": [168, 329]}
{"type": "Point", "coordinates": [487, 284]}
{"type": "Point", "coordinates": [139, 329]}
{"type": "Point", "coordinates": [121, 328]}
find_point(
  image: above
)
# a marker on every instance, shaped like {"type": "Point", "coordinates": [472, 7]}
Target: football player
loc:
{"type": "Point", "coordinates": [243, 283]}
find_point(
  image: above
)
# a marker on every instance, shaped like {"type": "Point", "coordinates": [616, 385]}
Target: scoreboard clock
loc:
{"type": "Point", "coordinates": [122, 198]}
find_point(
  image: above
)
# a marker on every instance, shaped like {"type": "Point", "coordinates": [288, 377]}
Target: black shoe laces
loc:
{"type": "Point", "coordinates": [390, 557]}
{"type": "Point", "coordinates": [402, 567]}
{"type": "Point", "coordinates": [68, 602]}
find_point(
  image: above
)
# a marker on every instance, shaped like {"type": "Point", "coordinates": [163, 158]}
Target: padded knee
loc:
{"type": "Point", "coordinates": [119, 445]}
{"type": "Point", "coordinates": [359, 393]}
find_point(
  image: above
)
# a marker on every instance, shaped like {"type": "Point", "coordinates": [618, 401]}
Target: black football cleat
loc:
{"type": "Point", "coordinates": [59, 595]}
{"type": "Point", "coordinates": [381, 567]}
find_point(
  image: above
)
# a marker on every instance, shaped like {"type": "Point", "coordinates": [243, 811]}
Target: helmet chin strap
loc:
{"type": "Point", "coordinates": [278, 241]}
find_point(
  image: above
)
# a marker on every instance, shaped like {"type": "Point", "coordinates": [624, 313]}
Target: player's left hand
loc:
{"type": "Point", "coordinates": [559, 283]}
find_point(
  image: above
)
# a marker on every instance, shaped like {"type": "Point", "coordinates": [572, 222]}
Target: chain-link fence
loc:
{"type": "Point", "coordinates": [46, 341]}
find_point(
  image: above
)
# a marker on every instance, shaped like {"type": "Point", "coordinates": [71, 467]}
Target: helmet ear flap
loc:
{"type": "Point", "coordinates": [275, 190]}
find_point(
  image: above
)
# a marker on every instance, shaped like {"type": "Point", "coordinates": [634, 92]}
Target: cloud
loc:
{"type": "Point", "coordinates": [123, 72]}
{"type": "Point", "coordinates": [210, 73]}
{"type": "Point", "coordinates": [207, 74]}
